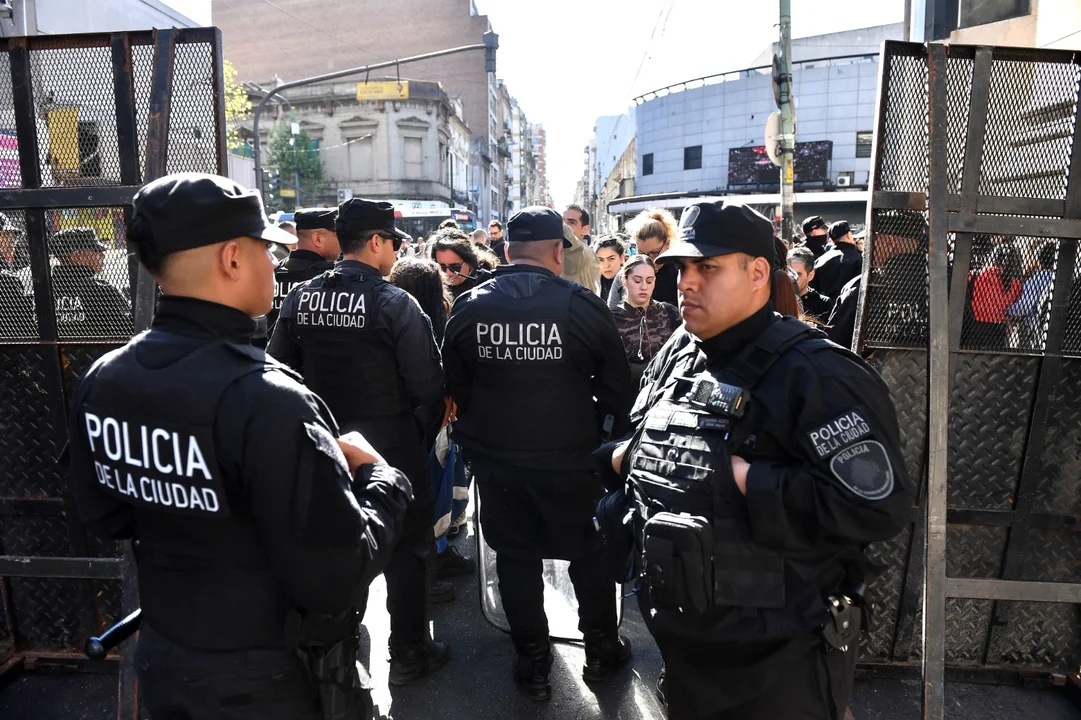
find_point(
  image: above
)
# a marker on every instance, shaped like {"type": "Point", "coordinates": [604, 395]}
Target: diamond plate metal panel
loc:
{"type": "Point", "coordinates": [1051, 556]}
{"type": "Point", "coordinates": [885, 590]}
{"type": "Point", "coordinates": [47, 613]}
{"type": "Point", "coordinates": [1058, 487]}
{"type": "Point", "coordinates": [974, 551]}
{"type": "Point", "coordinates": [905, 373]}
{"type": "Point", "coordinates": [35, 535]}
{"type": "Point", "coordinates": [967, 623]}
{"type": "Point", "coordinates": [28, 449]}
{"type": "Point", "coordinates": [1046, 635]}
{"type": "Point", "coordinates": [990, 403]}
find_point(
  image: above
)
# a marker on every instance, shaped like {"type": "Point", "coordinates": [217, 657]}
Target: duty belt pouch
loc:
{"type": "Point", "coordinates": [328, 645]}
{"type": "Point", "coordinates": [745, 573]}
{"type": "Point", "coordinates": [677, 557]}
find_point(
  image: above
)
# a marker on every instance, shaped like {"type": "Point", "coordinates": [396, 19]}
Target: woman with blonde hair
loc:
{"type": "Point", "coordinates": [653, 231]}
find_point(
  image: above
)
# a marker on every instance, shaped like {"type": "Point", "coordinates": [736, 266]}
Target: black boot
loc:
{"type": "Point", "coordinates": [531, 670]}
{"type": "Point", "coordinates": [417, 661]}
{"type": "Point", "coordinates": [605, 655]}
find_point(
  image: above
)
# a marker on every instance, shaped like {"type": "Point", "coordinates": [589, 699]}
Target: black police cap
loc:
{"type": "Point", "coordinates": [839, 229]}
{"type": "Point", "coordinates": [76, 239]}
{"type": "Point", "coordinates": [191, 210]}
{"type": "Point", "coordinates": [815, 222]}
{"type": "Point", "coordinates": [357, 215]}
{"type": "Point", "coordinates": [315, 218]}
{"type": "Point", "coordinates": [537, 223]}
{"type": "Point", "coordinates": [720, 228]}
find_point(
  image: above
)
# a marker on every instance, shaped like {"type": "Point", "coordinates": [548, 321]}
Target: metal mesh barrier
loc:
{"type": "Point", "coordinates": [977, 181]}
{"type": "Point", "coordinates": [82, 125]}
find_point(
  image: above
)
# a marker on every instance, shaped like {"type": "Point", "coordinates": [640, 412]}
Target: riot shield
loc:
{"type": "Point", "coordinates": [560, 605]}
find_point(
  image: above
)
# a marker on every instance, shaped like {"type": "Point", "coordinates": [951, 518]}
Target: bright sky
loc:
{"type": "Point", "coordinates": [570, 61]}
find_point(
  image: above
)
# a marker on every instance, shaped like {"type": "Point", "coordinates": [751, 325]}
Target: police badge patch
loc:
{"type": "Point", "coordinates": [865, 469]}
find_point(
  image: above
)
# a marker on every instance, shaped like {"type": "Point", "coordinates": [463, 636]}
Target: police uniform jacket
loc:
{"type": "Point", "coordinates": [88, 306]}
{"type": "Point", "coordinates": [361, 343]}
{"type": "Point", "coordinates": [226, 468]}
{"type": "Point", "coordinates": [817, 305]}
{"type": "Point", "coordinates": [526, 353]}
{"type": "Point", "coordinates": [836, 267]}
{"type": "Point", "coordinates": [813, 422]}
{"type": "Point", "coordinates": [301, 265]}
{"type": "Point", "coordinates": [17, 308]}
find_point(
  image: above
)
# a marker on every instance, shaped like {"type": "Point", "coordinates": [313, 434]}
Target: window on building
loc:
{"type": "Point", "coordinates": [647, 164]}
{"type": "Point", "coordinates": [414, 158]}
{"type": "Point", "coordinates": [692, 157]}
{"type": "Point", "coordinates": [981, 12]}
{"type": "Point", "coordinates": [863, 144]}
{"type": "Point", "coordinates": [360, 159]}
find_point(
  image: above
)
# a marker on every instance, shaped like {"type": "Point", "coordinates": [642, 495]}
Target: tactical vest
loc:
{"type": "Point", "coordinates": [346, 361]}
{"type": "Point", "coordinates": [203, 575]}
{"type": "Point", "coordinates": [698, 553]}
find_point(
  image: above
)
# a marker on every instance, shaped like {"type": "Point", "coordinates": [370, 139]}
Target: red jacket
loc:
{"type": "Point", "coordinates": [989, 299]}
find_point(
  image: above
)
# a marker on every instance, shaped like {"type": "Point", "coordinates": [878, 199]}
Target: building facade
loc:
{"type": "Point", "coordinates": [619, 184]}
{"type": "Point", "coordinates": [1015, 23]}
{"type": "Point", "coordinates": [710, 139]}
{"type": "Point", "coordinates": [412, 147]}
{"type": "Point", "coordinates": [540, 150]}
{"type": "Point", "coordinates": [266, 41]}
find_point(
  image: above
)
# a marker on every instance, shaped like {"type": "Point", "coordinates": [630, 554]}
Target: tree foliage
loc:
{"type": "Point", "coordinates": [237, 106]}
{"type": "Point", "coordinates": [308, 162]}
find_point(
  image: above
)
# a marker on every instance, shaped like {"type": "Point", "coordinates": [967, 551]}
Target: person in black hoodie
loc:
{"type": "Point", "coordinates": [499, 245]}
{"type": "Point", "coordinates": [839, 265]}
{"type": "Point", "coordinates": [815, 235]}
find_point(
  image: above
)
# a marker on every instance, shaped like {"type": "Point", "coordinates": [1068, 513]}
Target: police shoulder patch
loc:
{"type": "Point", "coordinates": [865, 469]}
{"type": "Point", "coordinates": [830, 438]}
{"type": "Point", "coordinates": [326, 444]}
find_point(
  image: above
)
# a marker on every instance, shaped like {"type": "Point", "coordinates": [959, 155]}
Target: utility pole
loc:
{"type": "Point", "coordinates": [294, 127]}
{"type": "Point", "coordinates": [788, 124]}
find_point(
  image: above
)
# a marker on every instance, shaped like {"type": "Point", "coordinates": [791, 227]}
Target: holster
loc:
{"type": "Point", "coordinates": [615, 522]}
{"type": "Point", "coordinates": [327, 645]}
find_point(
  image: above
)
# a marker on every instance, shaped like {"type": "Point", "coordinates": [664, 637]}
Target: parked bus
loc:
{"type": "Point", "coordinates": [421, 218]}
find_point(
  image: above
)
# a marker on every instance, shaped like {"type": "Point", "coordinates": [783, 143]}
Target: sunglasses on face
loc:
{"type": "Point", "coordinates": [452, 268]}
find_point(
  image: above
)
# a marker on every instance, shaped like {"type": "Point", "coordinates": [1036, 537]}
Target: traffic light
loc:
{"type": "Point", "coordinates": [491, 44]}
{"type": "Point", "coordinates": [271, 186]}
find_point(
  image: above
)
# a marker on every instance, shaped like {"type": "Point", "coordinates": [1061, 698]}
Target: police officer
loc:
{"type": "Point", "coordinates": [898, 298]}
{"type": "Point", "coordinates": [257, 527]}
{"type": "Point", "coordinates": [840, 264]}
{"type": "Point", "coordinates": [86, 305]}
{"type": "Point", "coordinates": [815, 235]}
{"type": "Point", "coordinates": [367, 347]}
{"type": "Point", "coordinates": [316, 251]}
{"type": "Point", "coordinates": [526, 354]}
{"type": "Point", "coordinates": [764, 458]}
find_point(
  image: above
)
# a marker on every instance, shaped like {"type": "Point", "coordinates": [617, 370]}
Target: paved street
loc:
{"type": "Point", "coordinates": [477, 685]}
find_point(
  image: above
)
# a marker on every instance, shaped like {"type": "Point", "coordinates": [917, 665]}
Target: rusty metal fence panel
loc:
{"type": "Point", "coordinates": [84, 121]}
{"type": "Point", "coordinates": [976, 327]}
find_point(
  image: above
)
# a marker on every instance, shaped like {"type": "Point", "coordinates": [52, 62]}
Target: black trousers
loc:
{"type": "Point", "coordinates": [400, 441]}
{"type": "Point", "coordinates": [528, 516]}
{"type": "Point", "coordinates": [817, 687]}
{"type": "Point", "coordinates": [179, 683]}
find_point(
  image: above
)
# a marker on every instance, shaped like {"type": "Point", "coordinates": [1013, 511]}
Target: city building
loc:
{"type": "Point", "coordinates": [706, 137]}
{"type": "Point", "coordinates": [382, 139]}
{"type": "Point", "coordinates": [612, 134]}
{"type": "Point", "coordinates": [293, 39]}
{"type": "Point", "coordinates": [54, 17]}
{"type": "Point", "coordinates": [618, 185]}
{"type": "Point", "coordinates": [540, 150]}
{"type": "Point", "coordinates": [523, 192]}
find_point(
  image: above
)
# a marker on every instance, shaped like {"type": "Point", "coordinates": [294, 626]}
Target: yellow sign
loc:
{"type": "Point", "coordinates": [288, 192]}
{"type": "Point", "coordinates": [788, 173]}
{"type": "Point", "coordinates": [64, 138]}
{"type": "Point", "coordinates": [389, 90]}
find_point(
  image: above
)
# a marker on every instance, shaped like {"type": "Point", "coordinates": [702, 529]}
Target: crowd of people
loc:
{"type": "Point", "coordinates": [631, 404]}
